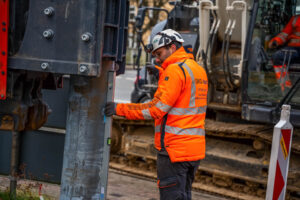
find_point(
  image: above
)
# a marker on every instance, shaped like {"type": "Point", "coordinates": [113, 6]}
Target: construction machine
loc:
{"type": "Point", "coordinates": [229, 39]}
{"type": "Point", "coordinates": [44, 44]}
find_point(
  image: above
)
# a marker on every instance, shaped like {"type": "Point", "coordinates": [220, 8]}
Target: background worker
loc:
{"type": "Point", "coordinates": [178, 108]}
{"type": "Point", "coordinates": [289, 36]}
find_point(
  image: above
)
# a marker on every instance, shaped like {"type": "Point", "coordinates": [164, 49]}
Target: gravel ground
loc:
{"type": "Point", "coordinates": [120, 187]}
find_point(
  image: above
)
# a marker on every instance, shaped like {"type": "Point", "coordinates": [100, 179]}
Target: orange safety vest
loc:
{"type": "Point", "coordinates": [290, 33]}
{"type": "Point", "coordinates": [178, 107]}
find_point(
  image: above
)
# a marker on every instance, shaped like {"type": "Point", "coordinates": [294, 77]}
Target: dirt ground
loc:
{"type": "Point", "coordinates": [120, 187]}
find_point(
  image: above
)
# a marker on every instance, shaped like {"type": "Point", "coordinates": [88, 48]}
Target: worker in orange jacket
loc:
{"type": "Point", "coordinates": [178, 108]}
{"type": "Point", "coordinates": [289, 36]}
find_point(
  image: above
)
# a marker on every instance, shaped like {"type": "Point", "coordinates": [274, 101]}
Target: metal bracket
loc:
{"type": "Point", "coordinates": [4, 22]}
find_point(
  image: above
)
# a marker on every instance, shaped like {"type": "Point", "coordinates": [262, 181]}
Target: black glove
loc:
{"type": "Point", "coordinates": [110, 109]}
{"type": "Point", "coordinates": [274, 45]}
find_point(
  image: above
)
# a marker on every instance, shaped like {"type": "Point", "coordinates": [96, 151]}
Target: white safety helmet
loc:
{"type": "Point", "coordinates": [164, 38]}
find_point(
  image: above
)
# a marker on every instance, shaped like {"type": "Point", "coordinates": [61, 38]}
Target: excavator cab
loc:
{"type": "Point", "coordinates": [230, 40]}
{"type": "Point", "coordinates": [265, 86]}
{"type": "Point", "coordinates": [183, 17]}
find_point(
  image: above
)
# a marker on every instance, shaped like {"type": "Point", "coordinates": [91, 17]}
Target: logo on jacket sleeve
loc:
{"type": "Point", "coordinates": [166, 78]}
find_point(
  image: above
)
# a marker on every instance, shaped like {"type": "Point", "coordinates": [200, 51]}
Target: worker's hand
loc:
{"type": "Point", "coordinates": [273, 45]}
{"type": "Point", "coordinates": [110, 109]}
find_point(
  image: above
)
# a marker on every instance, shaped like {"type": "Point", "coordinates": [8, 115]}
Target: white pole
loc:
{"type": "Point", "coordinates": [280, 156]}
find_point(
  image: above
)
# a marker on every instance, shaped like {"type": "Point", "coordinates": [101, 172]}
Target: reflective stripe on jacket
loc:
{"type": "Point", "coordinates": [282, 76]}
{"type": "Point", "coordinates": [290, 34]}
{"type": "Point", "coordinates": [178, 108]}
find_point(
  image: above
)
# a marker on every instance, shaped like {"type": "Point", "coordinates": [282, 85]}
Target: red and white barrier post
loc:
{"type": "Point", "coordinates": [280, 156]}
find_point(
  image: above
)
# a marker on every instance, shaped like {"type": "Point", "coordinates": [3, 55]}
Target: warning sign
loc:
{"type": "Point", "coordinates": [280, 156]}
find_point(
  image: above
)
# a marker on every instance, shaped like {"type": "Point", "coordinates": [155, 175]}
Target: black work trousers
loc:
{"type": "Point", "coordinates": [175, 179]}
{"type": "Point", "coordinates": [283, 55]}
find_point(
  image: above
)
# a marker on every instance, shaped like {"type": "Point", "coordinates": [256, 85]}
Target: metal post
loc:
{"type": "Point", "coordinates": [280, 156]}
{"type": "Point", "coordinates": [107, 136]}
{"type": "Point", "coordinates": [286, 70]}
{"type": "Point", "coordinates": [86, 151]}
{"type": "Point", "coordinates": [14, 163]}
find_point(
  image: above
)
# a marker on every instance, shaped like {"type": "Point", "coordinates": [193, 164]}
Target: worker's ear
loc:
{"type": "Point", "coordinates": [173, 47]}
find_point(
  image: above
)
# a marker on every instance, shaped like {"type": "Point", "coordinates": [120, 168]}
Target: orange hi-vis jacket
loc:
{"type": "Point", "coordinates": [178, 108]}
{"type": "Point", "coordinates": [290, 33]}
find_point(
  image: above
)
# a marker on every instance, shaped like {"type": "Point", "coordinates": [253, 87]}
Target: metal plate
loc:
{"type": "Point", "coordinates": [62, 37]}
{"type": "Point", "coordinates": [41, 154]}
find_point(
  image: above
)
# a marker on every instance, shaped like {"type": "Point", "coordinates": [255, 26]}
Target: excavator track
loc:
{"type": "Point", "coordinates": [236, 163]}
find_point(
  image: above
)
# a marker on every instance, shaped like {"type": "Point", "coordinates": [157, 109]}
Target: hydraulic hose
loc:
{"type": "Point", "coordinates": [210, 45]}
{"type": "Point", "coordinates": [137, 62]}
{"type": "Point", "coordinates": [210, 53]}
{"type": "Point", "coordinates": [138, 72]}
{"type": "Point", "coordinates": [205, 64]}
{"type": "Point", "coordinates": [206, 53]}
{"type": "Point", "coordinates": [223, 60]}
{"type": "Point", "coordinates": [228, 63]}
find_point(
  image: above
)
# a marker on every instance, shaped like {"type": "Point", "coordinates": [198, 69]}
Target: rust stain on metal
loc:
{"type": "Point", "coordinates": [7, 123]}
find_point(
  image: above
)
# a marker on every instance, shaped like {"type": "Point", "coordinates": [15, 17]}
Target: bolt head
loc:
{"type": "Point", "coordinates": [3, 73]}
{"type": "Point", "coordinates": [48, 34]}
{"type": "Point", "coordinates": [83, 68]}
{"type": "Point", "coordinates": [49, 11]}
{"type": "Point", "coordinates": [44, 66]}
{"type": "Point", "coordinates": [86, 37]}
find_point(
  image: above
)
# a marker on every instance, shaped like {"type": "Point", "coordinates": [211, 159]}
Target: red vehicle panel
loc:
{"type": "Point", "coordinates": [4, 22]}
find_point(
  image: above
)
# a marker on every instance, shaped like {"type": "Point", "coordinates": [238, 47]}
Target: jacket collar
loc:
{"type": "Point", "coordinates": [179, 55]}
